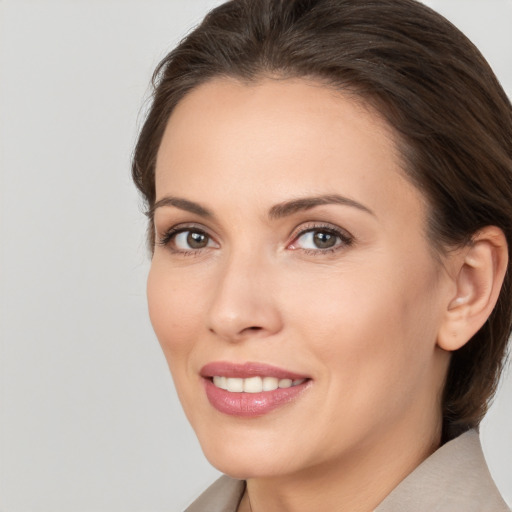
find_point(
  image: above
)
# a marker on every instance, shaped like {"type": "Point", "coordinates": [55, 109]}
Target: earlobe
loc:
{"type": "Point", "coordinates": [479, 273]}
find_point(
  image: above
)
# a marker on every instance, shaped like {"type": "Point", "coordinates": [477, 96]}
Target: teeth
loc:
{"type": "Point", "coordinates": [220, 382]}
{"type": "Point", "coordinates": [270, 383]}
{"type": "Point", "coordinates": [285, 383]}
{"type": "Point", "coordinates": [253, 384]}
{"type": "Point", "coordinates": [235, 385]}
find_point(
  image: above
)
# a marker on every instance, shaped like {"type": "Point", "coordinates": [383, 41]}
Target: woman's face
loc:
{"type": "Point", "coordinates": [292, 264]}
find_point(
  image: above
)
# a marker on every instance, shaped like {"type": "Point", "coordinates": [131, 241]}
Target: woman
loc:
{"type": "Point", "coordinates": [329, 190]}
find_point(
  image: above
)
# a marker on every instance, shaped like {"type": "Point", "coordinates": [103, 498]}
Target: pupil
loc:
{"type": "Point", "coordinates": [197, 240]}
{"type": "Point", "coordinates": [324, 240]}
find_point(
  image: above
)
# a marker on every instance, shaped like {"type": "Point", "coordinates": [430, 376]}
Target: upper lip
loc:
{"type": "Point", "coordinates": [246, 370]}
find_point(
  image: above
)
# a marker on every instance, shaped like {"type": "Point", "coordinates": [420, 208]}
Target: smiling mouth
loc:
{"type": "Point", "coordinates": [251, 390]}
{"type": "Point", "coordinates": [254, 384]}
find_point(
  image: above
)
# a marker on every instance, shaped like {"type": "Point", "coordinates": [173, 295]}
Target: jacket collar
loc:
{"type": "Point", "coordinates": [455, 478]}
{"type": "Point", "coordinates": [223, 495]}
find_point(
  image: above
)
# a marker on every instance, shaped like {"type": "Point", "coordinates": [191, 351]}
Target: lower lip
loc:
{"type": "Point", "coordinates": [250, 405]}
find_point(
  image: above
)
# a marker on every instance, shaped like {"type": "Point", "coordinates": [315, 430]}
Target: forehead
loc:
{"type": "Point", "coordinates": [282, 106]}
{"type": "Point", "coordinates": [278, 137]}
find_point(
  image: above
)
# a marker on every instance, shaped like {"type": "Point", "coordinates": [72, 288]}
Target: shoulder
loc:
{"type": "Point", "coordinates": [223, 495]}
{"type": "Point", "coordinates": [453, 479]}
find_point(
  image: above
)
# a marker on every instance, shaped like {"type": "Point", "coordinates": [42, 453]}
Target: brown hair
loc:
{"type": "Point", "coordinates": [452, 119]}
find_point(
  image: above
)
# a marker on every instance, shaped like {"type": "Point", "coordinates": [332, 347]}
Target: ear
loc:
{"type": "Point", "coordinates": [479, 270]}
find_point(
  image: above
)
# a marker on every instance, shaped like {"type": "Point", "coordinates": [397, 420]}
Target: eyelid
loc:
{"type": "Point", "coordinates": [164, 238]}
{"type": "Point", "coordinates": [346, 238]}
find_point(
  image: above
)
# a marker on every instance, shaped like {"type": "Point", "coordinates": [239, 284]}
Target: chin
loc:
{"type": "Point", "coordinates": [244, 467]}
{"type": "Point", "coordinates": [244, 458]}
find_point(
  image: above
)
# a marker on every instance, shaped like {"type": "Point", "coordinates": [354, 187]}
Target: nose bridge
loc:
{"type": "Point", "coordinates": [243, 301]}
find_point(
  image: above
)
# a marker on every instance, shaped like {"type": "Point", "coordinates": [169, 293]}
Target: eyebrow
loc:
{"type": "Point", "coordinates": [306, 203]}
{"type": "Point", "coordinates": [277, 211]}
{"type": "Point", "coordinates": [182, 204]}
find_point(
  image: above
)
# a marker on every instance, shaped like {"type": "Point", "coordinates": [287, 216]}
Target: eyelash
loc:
{"type": "Point", "coordinates": [172, 233]}
{"type": "Point", "coordinates": [346, 239]}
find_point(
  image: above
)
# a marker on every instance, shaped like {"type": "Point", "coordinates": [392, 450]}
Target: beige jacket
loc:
{"type": "Point", "coordinates": [453, 479]}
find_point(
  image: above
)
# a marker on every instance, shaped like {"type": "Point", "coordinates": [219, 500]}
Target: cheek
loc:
{"type": "Point", "coordinates": [372, 337]}
{"type": "Point", "coordinates": [377, 321]}
{"type": "Point", "coordinates": [173, 310]}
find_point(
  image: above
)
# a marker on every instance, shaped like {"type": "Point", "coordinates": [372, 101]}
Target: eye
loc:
{"type": "Point", "coordinates": [321, 239]}
{"type": "Point", "coordinates": [191, 240]}
{"type": "Point", "coordinates": [186, 240]}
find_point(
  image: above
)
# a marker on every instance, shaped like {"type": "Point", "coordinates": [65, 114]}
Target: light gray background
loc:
{"type": "Point", "coordinates": [89, 420]}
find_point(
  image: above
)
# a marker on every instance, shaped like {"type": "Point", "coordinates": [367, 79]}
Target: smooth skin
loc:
{"type": "Point", "coordinates": [350, 293]}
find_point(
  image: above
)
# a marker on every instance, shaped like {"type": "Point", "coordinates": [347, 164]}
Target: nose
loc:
{"type": "Point", "coordinates": [245, 300]}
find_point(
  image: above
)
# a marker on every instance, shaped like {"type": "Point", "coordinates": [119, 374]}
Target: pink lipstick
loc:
{"type": "Point", "coordinates": [250, 389]}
